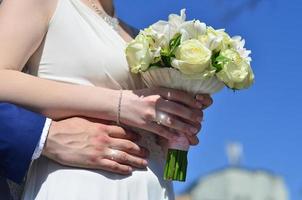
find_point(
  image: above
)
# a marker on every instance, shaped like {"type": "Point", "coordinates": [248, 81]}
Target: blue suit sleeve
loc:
{"type": "Point", "coordinates": [20, 132]}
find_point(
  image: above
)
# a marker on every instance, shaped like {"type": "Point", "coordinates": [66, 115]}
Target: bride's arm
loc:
{"type": "Point", "coordinates": [23, 25]}
{"type": "Point", "coordinates": [57, 100]}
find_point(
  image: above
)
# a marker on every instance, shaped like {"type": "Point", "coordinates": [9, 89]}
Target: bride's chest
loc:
{"type": "Point", "coordinates": [77, 54]}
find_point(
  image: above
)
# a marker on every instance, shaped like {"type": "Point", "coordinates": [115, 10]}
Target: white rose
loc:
{"type": "Point", "coordinates": [138, 54]}
{"type": "Point", "coordinates": [192, 57]}
{"type": "Point", "coordinates": [236, 73]}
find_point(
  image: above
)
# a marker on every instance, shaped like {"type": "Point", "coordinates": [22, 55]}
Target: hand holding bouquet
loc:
{"type": "Point", "coordinates": [189, 56]}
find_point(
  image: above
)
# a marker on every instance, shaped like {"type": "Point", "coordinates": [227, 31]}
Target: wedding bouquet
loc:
{"type": "Point", "coordinates": [189, 56]}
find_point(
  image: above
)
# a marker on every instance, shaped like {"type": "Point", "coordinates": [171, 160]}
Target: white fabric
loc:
{"type": "Point", "coordinates": [80, 48]}
{"type": "Point", "coordinates": [40, 145]}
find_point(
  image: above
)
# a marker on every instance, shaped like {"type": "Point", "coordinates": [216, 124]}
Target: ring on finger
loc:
{"type": "Point", "coordinates": [160, 117]}
{"type": "Point", "coordinates": [113, 154]}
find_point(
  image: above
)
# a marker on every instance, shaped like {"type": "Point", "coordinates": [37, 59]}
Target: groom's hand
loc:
{"type": "Point", "coordinates": [82, 143]}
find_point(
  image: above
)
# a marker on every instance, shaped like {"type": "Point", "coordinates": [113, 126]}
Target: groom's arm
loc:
{"type": "Point", "coordinates": [20, 132]}
{"type": "Point", "coordinates": [23, 133]}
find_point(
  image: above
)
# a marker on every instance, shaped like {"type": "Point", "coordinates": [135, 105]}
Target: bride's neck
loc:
{"type": "Point", "coordinates": [108, 6]}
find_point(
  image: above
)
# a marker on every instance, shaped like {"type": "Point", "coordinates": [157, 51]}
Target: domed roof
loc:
{"type": "Point", "coordinates": [239, 184]}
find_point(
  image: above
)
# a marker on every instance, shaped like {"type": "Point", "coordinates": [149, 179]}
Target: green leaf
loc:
{"type": "Point", "coordinates": [174, 43]}
{"type": "Point", "coordinates": [169, 52]}
{"type": "Point", "coordinates": [166, 60]}
{"type": "Point", "coordinates": [165, 57]}
{"type": "Point", "coordinates": [218, 61]}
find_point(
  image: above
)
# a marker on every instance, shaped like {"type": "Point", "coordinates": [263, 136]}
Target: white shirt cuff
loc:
{"type": "Point", "coordinates": [40, 145]}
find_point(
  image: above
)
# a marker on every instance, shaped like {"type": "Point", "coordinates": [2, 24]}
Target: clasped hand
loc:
{"type": "Point", "coordinates": [92, 144]}
{"type": "Point", "coordinates": [164, 111]}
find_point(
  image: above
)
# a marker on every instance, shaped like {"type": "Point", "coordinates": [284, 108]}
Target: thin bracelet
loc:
{"type": "Point", "coordinates": [118, 116]}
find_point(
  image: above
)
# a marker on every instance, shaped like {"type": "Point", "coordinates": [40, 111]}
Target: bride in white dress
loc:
{"type": "Point", "coordinates": [75, 45]}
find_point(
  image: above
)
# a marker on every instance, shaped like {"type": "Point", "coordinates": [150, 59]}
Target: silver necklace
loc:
{"type": "Point", "coordinates": [111, 21]}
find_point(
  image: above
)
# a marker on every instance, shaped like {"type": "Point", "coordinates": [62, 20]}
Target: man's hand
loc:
{"type": "Point", "coordinates": [82, 143]}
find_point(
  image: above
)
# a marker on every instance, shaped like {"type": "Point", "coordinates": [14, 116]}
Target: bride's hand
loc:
{"type": "Point", "coordinates": [163, 111]}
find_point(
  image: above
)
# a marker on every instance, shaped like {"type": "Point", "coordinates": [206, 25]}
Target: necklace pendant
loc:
{"type": "Point", "coordinates": [111, 21]}
{"type": "Point", "coordinates": [114, 23]}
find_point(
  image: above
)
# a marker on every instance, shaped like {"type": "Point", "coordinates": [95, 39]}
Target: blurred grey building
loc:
{"type": "Point", "coordinates": [237, 183]}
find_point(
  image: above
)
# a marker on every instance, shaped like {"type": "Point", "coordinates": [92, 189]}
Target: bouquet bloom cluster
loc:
{"type": "Point", "coordinates": [190, 56]}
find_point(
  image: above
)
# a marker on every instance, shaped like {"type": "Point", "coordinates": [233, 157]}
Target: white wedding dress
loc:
{"type": "Point", "coordinates": [81, 48]}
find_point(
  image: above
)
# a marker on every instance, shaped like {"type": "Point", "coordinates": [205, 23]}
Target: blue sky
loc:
{"type": "Point", "coordinates": [266, 119]}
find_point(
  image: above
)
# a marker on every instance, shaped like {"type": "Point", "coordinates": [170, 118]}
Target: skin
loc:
{"type": "Point", "coordinates": [23, 25]}
{"type": "Point", "coordinates": [88, 143]}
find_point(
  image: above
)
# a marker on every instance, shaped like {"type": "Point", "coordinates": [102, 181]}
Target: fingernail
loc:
{"type": "Point", "coordinates": [130, 169]}
{"type": "Point", "coordinates": [145, 162]}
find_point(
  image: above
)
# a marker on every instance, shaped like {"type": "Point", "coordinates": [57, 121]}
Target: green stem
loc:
{"type": "Point", "coordinates": [176, 165]}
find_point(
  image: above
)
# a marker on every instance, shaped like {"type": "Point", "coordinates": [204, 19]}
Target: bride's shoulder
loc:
{"type": "Point", "coordinates": [36, 9]}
